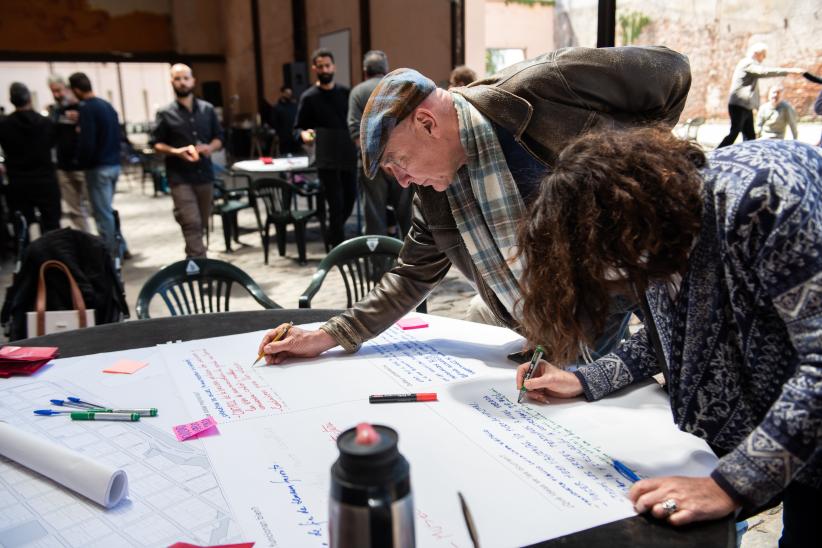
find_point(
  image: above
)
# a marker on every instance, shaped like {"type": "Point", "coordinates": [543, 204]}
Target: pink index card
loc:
{"type": "Point", "coordinates": [187, 545]}
{"type": "Point", "coordinates": [125, 366]}
{"type": "Point", "coordinates": [412, 323]}
{"type": "Point", "coordinates": [185, 431]}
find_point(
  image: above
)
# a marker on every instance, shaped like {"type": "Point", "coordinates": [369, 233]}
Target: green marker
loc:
{"type": "Point", "coordinates": [538, 352]}
{"type": "Point", "coordinates": [143, 412]}
{"type": "Point", "coordinates": [96, 416]}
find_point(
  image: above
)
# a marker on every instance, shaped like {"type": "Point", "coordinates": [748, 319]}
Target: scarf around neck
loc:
{"type": "Point", "coordinates": [487, 206]}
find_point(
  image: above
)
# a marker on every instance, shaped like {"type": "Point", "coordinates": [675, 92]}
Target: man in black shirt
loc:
{"type": "Point", "coordinates": [321, 115]}
{"type": "Point", "coordinates": [283, 115]}
{"type": "Point", "coordinates": [64, 114]}
{"type": "Point", "coordinates": [187, 132]}
{"type": "Point", "coordinates": [27, 138]}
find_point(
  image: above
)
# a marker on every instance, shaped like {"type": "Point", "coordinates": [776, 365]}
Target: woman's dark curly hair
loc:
{"type": "Point", "coordinates": [626, 202]}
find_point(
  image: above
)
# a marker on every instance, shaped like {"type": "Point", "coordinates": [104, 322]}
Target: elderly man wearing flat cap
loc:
{"type": "Point", "coordinates": [477, 155]}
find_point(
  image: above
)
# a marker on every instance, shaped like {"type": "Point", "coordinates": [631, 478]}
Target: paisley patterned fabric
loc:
{"type": "Point", "coordinates": [743, 335]}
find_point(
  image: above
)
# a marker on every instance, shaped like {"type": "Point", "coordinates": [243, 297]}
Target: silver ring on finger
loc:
{"type": "Point", "coordinates": [670, 506]}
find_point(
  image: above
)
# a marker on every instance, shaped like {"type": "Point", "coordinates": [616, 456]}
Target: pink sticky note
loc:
{"type": "Point", "coordinates": [187, 545]}
{"type": "Point", "coordinates": [412, 323]}
{"type": "Point", "coordinates": [186, 431]}
{"type": "Point", "coordinates": [125, 366]}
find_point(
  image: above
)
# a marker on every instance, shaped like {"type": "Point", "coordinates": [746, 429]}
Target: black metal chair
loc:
{"type": "Point", "coordinates": [361, 261]}
{"type": "Point", "coordinates": [308, 181]}
{"type": "Point", "coordinates": [279, 198]}
{"type": "Point", "coordinates": [198, 286]}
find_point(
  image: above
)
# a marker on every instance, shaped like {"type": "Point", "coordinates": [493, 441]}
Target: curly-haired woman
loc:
{"type": "Point", "coordinates": [724, 256]}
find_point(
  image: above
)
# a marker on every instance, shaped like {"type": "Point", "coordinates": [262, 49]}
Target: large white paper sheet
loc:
{"type": "Point", "coordinates": [516, 464]}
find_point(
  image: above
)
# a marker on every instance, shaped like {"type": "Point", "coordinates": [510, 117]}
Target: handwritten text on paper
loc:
{"type": "Point", "coordinates": [414, 362]}
{"type": "Point", "coordinates": [302, 516]}
{"type": "Point", "coordinates": [229, 391]}
{"type": "Point", "coordinates": [569, 471]}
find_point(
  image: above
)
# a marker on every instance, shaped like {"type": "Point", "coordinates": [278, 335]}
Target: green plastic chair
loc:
{"type": "Point", "coordinates": [279, 198]}
{"type": "Point", "coordinates": [361, 261]}
{"type": "Point", "coordinates": [198, 286]}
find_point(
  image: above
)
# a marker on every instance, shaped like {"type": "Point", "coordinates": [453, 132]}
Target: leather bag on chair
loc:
{"type": "Point", "coordinates": [91, 265]}
{"type": "Point", "coordinates": [44, 322]}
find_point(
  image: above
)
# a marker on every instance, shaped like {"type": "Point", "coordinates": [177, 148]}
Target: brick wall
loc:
{"type": "Point", "coordinates": [715, 35]}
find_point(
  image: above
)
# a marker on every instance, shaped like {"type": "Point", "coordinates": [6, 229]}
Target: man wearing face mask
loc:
{"type": "Point", "coordinates": [187, 131]}
{"type": "Point", "coordinates": [322, 117]}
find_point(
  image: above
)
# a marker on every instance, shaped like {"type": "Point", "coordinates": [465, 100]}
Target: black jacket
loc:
{"type": "Point", "coordinates": [90, 263]}
{"type": "Point", "coordinates": [545, 103]}
{"type": "Point", "coordinates": [27, 138]}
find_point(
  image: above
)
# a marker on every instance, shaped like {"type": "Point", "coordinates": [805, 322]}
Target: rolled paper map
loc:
{"type": "Point", "coordinates": [104, 484]}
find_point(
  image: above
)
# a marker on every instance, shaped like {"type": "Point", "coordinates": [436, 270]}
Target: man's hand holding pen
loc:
{"type": "Point", "coordinates": [298, 343]}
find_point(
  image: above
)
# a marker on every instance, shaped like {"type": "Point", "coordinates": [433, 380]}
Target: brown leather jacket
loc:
{"type": "Point", "coordinates": [545, 103]}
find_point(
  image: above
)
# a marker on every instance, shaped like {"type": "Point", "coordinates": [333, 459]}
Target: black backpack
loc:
{"type": "Point", "coordinates": [90, 264]}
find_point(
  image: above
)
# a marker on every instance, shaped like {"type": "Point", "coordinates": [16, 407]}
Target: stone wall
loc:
{"type": "Point", "coordinates": [716, 34]}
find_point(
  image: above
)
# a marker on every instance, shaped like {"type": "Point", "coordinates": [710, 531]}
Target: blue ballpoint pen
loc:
{"type": "Point", "coordinates": [78, 400]}
{"type": "Point", "coordinates": [64, 403]}
{"type": "Point", "coordinates": [625, 471]}
{"type": "Point", "coordinates": [77, 403]}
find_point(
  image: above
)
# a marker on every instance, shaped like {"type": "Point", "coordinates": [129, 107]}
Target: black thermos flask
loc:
{"type": "Point", "coordinates": [370, 503]}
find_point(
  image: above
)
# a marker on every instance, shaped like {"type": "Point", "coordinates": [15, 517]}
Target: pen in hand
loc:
{"type": "Point", "coordinates": [538, 352]}
{"type": "Point", "coordinates": [279, 336]}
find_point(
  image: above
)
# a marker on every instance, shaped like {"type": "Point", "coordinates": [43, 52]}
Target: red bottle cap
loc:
{"type": "Point", "coordinates": [366, 435]}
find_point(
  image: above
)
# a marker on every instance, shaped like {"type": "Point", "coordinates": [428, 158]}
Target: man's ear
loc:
{"type": "Point", "coordinates": [425, 121]}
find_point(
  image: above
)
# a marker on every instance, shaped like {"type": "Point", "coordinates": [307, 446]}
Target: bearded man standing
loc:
{"type": "Point", "coordinates": [187, 131]}
{"type": "Point", "coordinates": [322, 117]}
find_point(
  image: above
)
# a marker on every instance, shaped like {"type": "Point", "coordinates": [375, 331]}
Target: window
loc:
{"type": "Point", "coordinates": [497, 59]}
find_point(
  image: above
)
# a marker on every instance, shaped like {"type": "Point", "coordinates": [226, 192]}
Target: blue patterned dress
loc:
{"type": "Point", "coordinates": [742, 334]}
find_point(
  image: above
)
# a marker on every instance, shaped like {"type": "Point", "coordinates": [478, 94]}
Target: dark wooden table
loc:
{"type": "Point", "coordinates": [635, 532]}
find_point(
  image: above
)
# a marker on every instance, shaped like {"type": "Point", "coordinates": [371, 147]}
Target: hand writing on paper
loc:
{"type": "Point", "coordinates": [697, 499]}
{"type": "Point", "coordinates": [297, 344]}
{"type": "Point", "coordinates": [548, 380]}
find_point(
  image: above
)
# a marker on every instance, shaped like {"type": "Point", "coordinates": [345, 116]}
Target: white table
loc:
{"type": "Point", "coordinates": [277, 165]}
{"type": "Point", "coordinates": [210, 491]}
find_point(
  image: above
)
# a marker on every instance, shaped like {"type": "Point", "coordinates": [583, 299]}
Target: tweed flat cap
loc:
{"type": "Point", "coordinates": [394, 98]}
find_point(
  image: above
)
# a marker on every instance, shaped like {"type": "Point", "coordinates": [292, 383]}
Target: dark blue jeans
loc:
{"type": "Point", "coordinates": [101, 182]}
